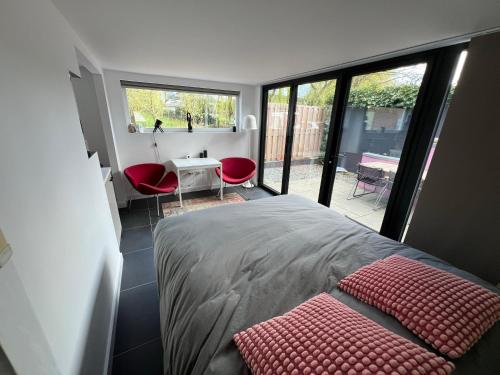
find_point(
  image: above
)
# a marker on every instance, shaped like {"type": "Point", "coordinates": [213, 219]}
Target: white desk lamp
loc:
{"type": "Point", "coordinates": [249, 124]}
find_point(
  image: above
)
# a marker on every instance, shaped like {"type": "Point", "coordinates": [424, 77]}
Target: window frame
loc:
{"type": "Point", "coordinates": [179, 88]}
{"type": "Point", "coordinates": [432, 94]}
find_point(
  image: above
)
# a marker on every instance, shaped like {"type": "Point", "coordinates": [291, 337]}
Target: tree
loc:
{"type": "Point", "coordinates": [208, 110]}
{"type": "Point", "coordinates": [194, 104]}
{"type": "Point", "coordinates": [149, 103]}
{"type": "Point", "coordinates": [317, 93]}
{"type": "Point", "coordinates": [279, 96]}
{"type": "Point", "coordinates": [373, 80]}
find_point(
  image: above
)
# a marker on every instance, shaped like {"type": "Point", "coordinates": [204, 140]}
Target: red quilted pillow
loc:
{"type": "Point", "coordinates": [324, 336]}
{"type": "Point", "coordinates": [446, 311]}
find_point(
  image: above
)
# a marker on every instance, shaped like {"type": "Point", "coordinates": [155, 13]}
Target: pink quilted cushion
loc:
{"type": "Point", "coordinates": [446, 311]}
{"type": "Point", "coordinates": [324, 336]}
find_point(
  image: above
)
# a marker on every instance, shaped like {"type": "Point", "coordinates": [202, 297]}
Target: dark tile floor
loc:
{"type": "Point", "coordinates": [137, 349]}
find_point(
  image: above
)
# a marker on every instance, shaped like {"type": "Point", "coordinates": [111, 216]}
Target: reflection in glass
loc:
{"type": "Point", "coordinates": [374, 130]}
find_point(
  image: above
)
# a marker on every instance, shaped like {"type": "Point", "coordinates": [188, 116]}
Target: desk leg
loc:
{"type": "Point", "coordinates": [179, 187]}
{"type": "Point", "coordinates": [209, 171]}
{"type": "Point", "coordinates": [221, 184]}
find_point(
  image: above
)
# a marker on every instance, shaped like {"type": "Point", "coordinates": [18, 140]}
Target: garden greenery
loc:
{"type": "Point", "coordinates": [402, 96]}
{"type": "Point", "coordinates": [360, 96]}
{"type": "Point", "coordinates": [208, 111]}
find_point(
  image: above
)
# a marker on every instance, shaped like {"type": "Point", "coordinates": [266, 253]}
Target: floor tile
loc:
{"type": "Point", "coordinates": [138, 317]}
{"type": "Point", "coordinates": [146, 359]}
{"type": "Point", "coordinates": [134, 218]}
{"type": "Point", "coordinates": [254, 193]}
{"type": "Point", "coordinates": [154, 221]}
{"type": "Point", "coordinates": [153, 215]}
{"type": "Point", "coordinates": [136, 239]}
{"type": "Point", "coordinates": [138, 322]}
{"type": "Point", "coordinates": [137, 204]}
{"type": "Point", "coordinates": [153, 227]}
{"type": "Point", "coordinates": [163, 198]}
{"type": "Point", "coordinates": [138, 268]}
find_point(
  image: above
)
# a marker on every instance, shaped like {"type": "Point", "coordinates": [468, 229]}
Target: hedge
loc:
{"type": "Point", "coordinates": [403, 96]}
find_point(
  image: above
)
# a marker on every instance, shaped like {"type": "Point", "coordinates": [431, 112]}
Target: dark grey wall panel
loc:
{"type": "Point", "coordinates": [457, 216]}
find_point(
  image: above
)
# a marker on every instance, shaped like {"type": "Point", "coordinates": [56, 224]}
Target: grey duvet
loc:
{"type": "Point", "coordinates": [224, 269]}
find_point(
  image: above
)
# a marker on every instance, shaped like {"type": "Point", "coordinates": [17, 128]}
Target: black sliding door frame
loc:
{"type": "Point", "coordinates": [431, 97]}
{"type": "Point", "coordinates": [427, 111]}
{"type": "Point", "coordinates": [263, 130]}
{"type": "Point", "coordinates": [292, 105]}
{"type": "Point", "coordinates": [262, 141]}
{"type": "Point", "coordinates": [333, 141]}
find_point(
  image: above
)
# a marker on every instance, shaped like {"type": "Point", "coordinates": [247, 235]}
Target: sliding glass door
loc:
{"type": "Point", "coordinates": [276, 125]}
{"type": "Point", "coordinates": [357, 139]}
{"type": "Point", "coordinates": [374, 129]}
{"type": "Point", "coordinates": [310, 135]}
{"type": "Point", "coordinates": [296, 133]}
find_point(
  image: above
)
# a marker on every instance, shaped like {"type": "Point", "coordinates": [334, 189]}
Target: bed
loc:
{"type": "Point", "coordinates": [223, 269]}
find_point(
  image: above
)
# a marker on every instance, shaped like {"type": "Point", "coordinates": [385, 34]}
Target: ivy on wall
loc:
{"type": "Point", "coordinates": [402, 96]}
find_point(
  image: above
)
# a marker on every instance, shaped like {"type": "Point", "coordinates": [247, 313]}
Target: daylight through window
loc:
{"type": "Point", "coordinates": [209, 110]}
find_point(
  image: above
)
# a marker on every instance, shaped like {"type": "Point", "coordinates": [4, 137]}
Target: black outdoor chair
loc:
{"type": "Point", "coordinates": [370, 176]}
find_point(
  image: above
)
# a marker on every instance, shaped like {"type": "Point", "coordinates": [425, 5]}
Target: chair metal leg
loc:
{"type": "Point", "coordinates": [380, 195]}
{"type": "Point", "coordinates": [158, 204]}
{"type": "Point", "coordinates": [129, 204]}
{"type": "Point", "coordinates": [352, 194]}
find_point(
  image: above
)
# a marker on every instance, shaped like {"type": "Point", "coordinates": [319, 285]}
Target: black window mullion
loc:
{"type": "Point", "coordinates": [334, 137]}
{"type": "Point", "coordinates": [292, 106]}
{"type": "Point", "coordinates": [429, 105]}
{"type": "Point", "coordinates": [263, 129]}
{"type": "Point", "coordinates": [432, 94]}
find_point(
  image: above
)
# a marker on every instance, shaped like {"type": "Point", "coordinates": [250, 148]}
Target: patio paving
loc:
{"type": "Point", "coordinates": [305, 181]}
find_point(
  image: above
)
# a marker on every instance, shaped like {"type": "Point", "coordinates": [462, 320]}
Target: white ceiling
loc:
{"type": "Point", "coordinates": [255, 41]}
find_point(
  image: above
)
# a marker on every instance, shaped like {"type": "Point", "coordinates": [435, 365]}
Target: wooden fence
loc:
{"type": "Point", "coordinates": [307, 133]}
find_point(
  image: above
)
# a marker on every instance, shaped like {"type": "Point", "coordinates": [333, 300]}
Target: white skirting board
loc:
{"type": "Point", "coordinates": [112, 327]}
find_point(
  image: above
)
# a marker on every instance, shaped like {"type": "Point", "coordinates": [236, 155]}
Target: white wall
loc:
{"type": "Point", "coordinates": [53, 207]}
{"type": "Point", "coordinates": [138, 148]}
{"type": "Point", "coordinates": [88, 110]}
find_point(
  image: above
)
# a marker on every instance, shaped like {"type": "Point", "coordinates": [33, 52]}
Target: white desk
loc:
{"type": "Point", "coordinates": [197, 163]}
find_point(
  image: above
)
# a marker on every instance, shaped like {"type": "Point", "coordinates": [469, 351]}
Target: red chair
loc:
{"type": "Point", "coordinates": [236, 171]}
{"type": "Point", "coordinates": [148, 179]}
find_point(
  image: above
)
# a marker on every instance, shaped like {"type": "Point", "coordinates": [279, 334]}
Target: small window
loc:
{"type": "Point", "coordinates": [209, 109]}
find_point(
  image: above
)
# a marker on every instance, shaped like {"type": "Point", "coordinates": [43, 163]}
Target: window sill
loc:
{"type": "Point", "coordinates": [195, 130]}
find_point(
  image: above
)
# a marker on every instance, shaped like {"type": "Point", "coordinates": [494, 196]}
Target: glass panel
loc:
{"type": "Point", "coordinates": [276, 125]}
{"type": "Point", "coordinates": [456, 77]}
{"type": "Point", "coordinates": [310, 134]}
{"type": "Point", "coordinates": [375, 124]}
{"type": "Point", "coordinates": [171, 107]}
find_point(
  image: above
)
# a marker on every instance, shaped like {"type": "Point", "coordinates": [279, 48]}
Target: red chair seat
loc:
{"type": "Point", "coordinates": [148, 179]}
{"type": "Point", "coordinates": [167, 185]}
{"type": "Point", "coordinates": [236, 170]}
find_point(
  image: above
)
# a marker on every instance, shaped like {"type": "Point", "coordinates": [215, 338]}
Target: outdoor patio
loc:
{"type": "Point", "coordinates": [305, 181]}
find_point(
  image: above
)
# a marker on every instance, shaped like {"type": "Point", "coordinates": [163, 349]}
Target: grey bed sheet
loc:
{"type": "Point", "coordinates": [223, 269]}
